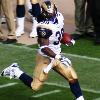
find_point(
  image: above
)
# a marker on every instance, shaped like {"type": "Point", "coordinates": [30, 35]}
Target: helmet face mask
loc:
{"type": "Point", "coordinates": [48, 9]}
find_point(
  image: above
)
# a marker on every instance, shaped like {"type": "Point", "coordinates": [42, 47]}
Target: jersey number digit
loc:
{"type": "Point", "coordinates": [58, 35]}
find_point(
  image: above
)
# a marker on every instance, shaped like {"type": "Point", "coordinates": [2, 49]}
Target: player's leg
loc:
{"type": "Point", "coordinates": [35, 83]}
{"type": "Point", "coordinates": [35, 12]}
{"type": "Point", "coordinates": [39, 75]}
{"type": "Point", "coordinates": [20, 13]}
{"type": "Point", "coordinates": [69, 74]}
{"type": "Point", "coordinates": [29, 8]}
{"type": "Point", "coordinates": [28, 5]}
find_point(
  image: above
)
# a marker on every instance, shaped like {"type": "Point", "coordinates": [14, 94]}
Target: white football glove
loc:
{"type": "Point", "coordinates": [66, 61]}
{"type": "Point", "coordinates": [48, 68]}
{"type": "Point", "coordinates": [72, 42]}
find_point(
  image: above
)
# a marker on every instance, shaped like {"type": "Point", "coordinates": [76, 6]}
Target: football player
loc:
{"type": "Point", "coordinates": [20, 13]}
{"type": "Point", "coordinates": [50, 35]}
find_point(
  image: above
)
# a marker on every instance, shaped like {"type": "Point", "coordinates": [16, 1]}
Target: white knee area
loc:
{"type": "Point", "coordinates": [80, 98]}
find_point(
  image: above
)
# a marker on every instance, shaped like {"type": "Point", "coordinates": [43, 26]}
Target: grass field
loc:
{"type": "Point", "coordinates": [84, 56]}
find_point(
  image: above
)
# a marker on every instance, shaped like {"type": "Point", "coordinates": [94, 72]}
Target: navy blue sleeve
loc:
{"type": "Point", "coordinates": [44, 33]}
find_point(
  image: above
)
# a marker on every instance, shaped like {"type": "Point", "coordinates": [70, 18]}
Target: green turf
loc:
{"type": "Point", "coordinates": [88, 72]}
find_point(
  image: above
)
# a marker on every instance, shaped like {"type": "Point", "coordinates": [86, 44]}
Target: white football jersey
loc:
{"type": "Point", "coordinates": [57, 29]}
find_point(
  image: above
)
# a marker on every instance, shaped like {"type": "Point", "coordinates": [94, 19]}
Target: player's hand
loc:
{"type": "Point", "coordinates": [71, 43]}
{"type": "Point", "coordinates": [65, 61]}
{"type": "Point", "coordinates": [67, 39]}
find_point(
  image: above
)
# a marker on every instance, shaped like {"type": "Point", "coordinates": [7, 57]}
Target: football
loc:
{"type": "Point", "coordinates": [66, 38]}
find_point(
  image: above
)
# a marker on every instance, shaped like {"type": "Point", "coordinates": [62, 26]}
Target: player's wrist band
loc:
{"type": "Point", "coordinates": [58, 56]}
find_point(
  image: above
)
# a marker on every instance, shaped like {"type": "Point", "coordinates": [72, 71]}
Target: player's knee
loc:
{"type": "Point", "coordinates": [43, 76]}
{"type": "Point", "coordinates": [36, 86]}
{"type": "Point", "coordinates": [56, 62]}
{"type": "Point", "coordinates": [72, 75]}
{"type": "Point", "coordinates": [64, 62]}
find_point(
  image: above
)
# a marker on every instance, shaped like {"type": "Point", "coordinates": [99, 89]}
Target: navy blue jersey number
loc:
{"type": "Point", "coordinates": [58, 35]}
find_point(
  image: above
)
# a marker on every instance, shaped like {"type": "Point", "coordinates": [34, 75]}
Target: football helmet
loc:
{"type": "Point", "coordinates": [49, 9]}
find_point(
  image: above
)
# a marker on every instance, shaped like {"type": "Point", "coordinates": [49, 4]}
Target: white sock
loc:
{"type": "Point", "coordinates": [80, 98]}
{"type": "Point", "coordinates": [34, 22]}
{"type": "Point", "coordinates": [20, 23]}
{"type": "Point", "coordinates": [34, 31]}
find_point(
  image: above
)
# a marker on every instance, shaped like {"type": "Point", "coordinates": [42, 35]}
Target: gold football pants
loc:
{"type": "Point", "coordinates": [39, 76]}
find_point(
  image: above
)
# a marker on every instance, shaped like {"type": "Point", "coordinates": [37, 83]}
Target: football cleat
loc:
{"type": "Point", "coordinates": [10, 71]}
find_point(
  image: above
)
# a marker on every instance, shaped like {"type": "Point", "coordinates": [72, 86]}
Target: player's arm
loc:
{"type": "Point", "coordinates": [43, 40]}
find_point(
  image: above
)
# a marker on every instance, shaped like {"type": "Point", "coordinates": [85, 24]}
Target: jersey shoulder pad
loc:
{"type": "Point", "coordinates": [44, 32]}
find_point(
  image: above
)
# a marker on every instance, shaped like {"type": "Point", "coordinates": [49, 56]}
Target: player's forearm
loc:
{"type": "Point", "coordinates": [48, 52]}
